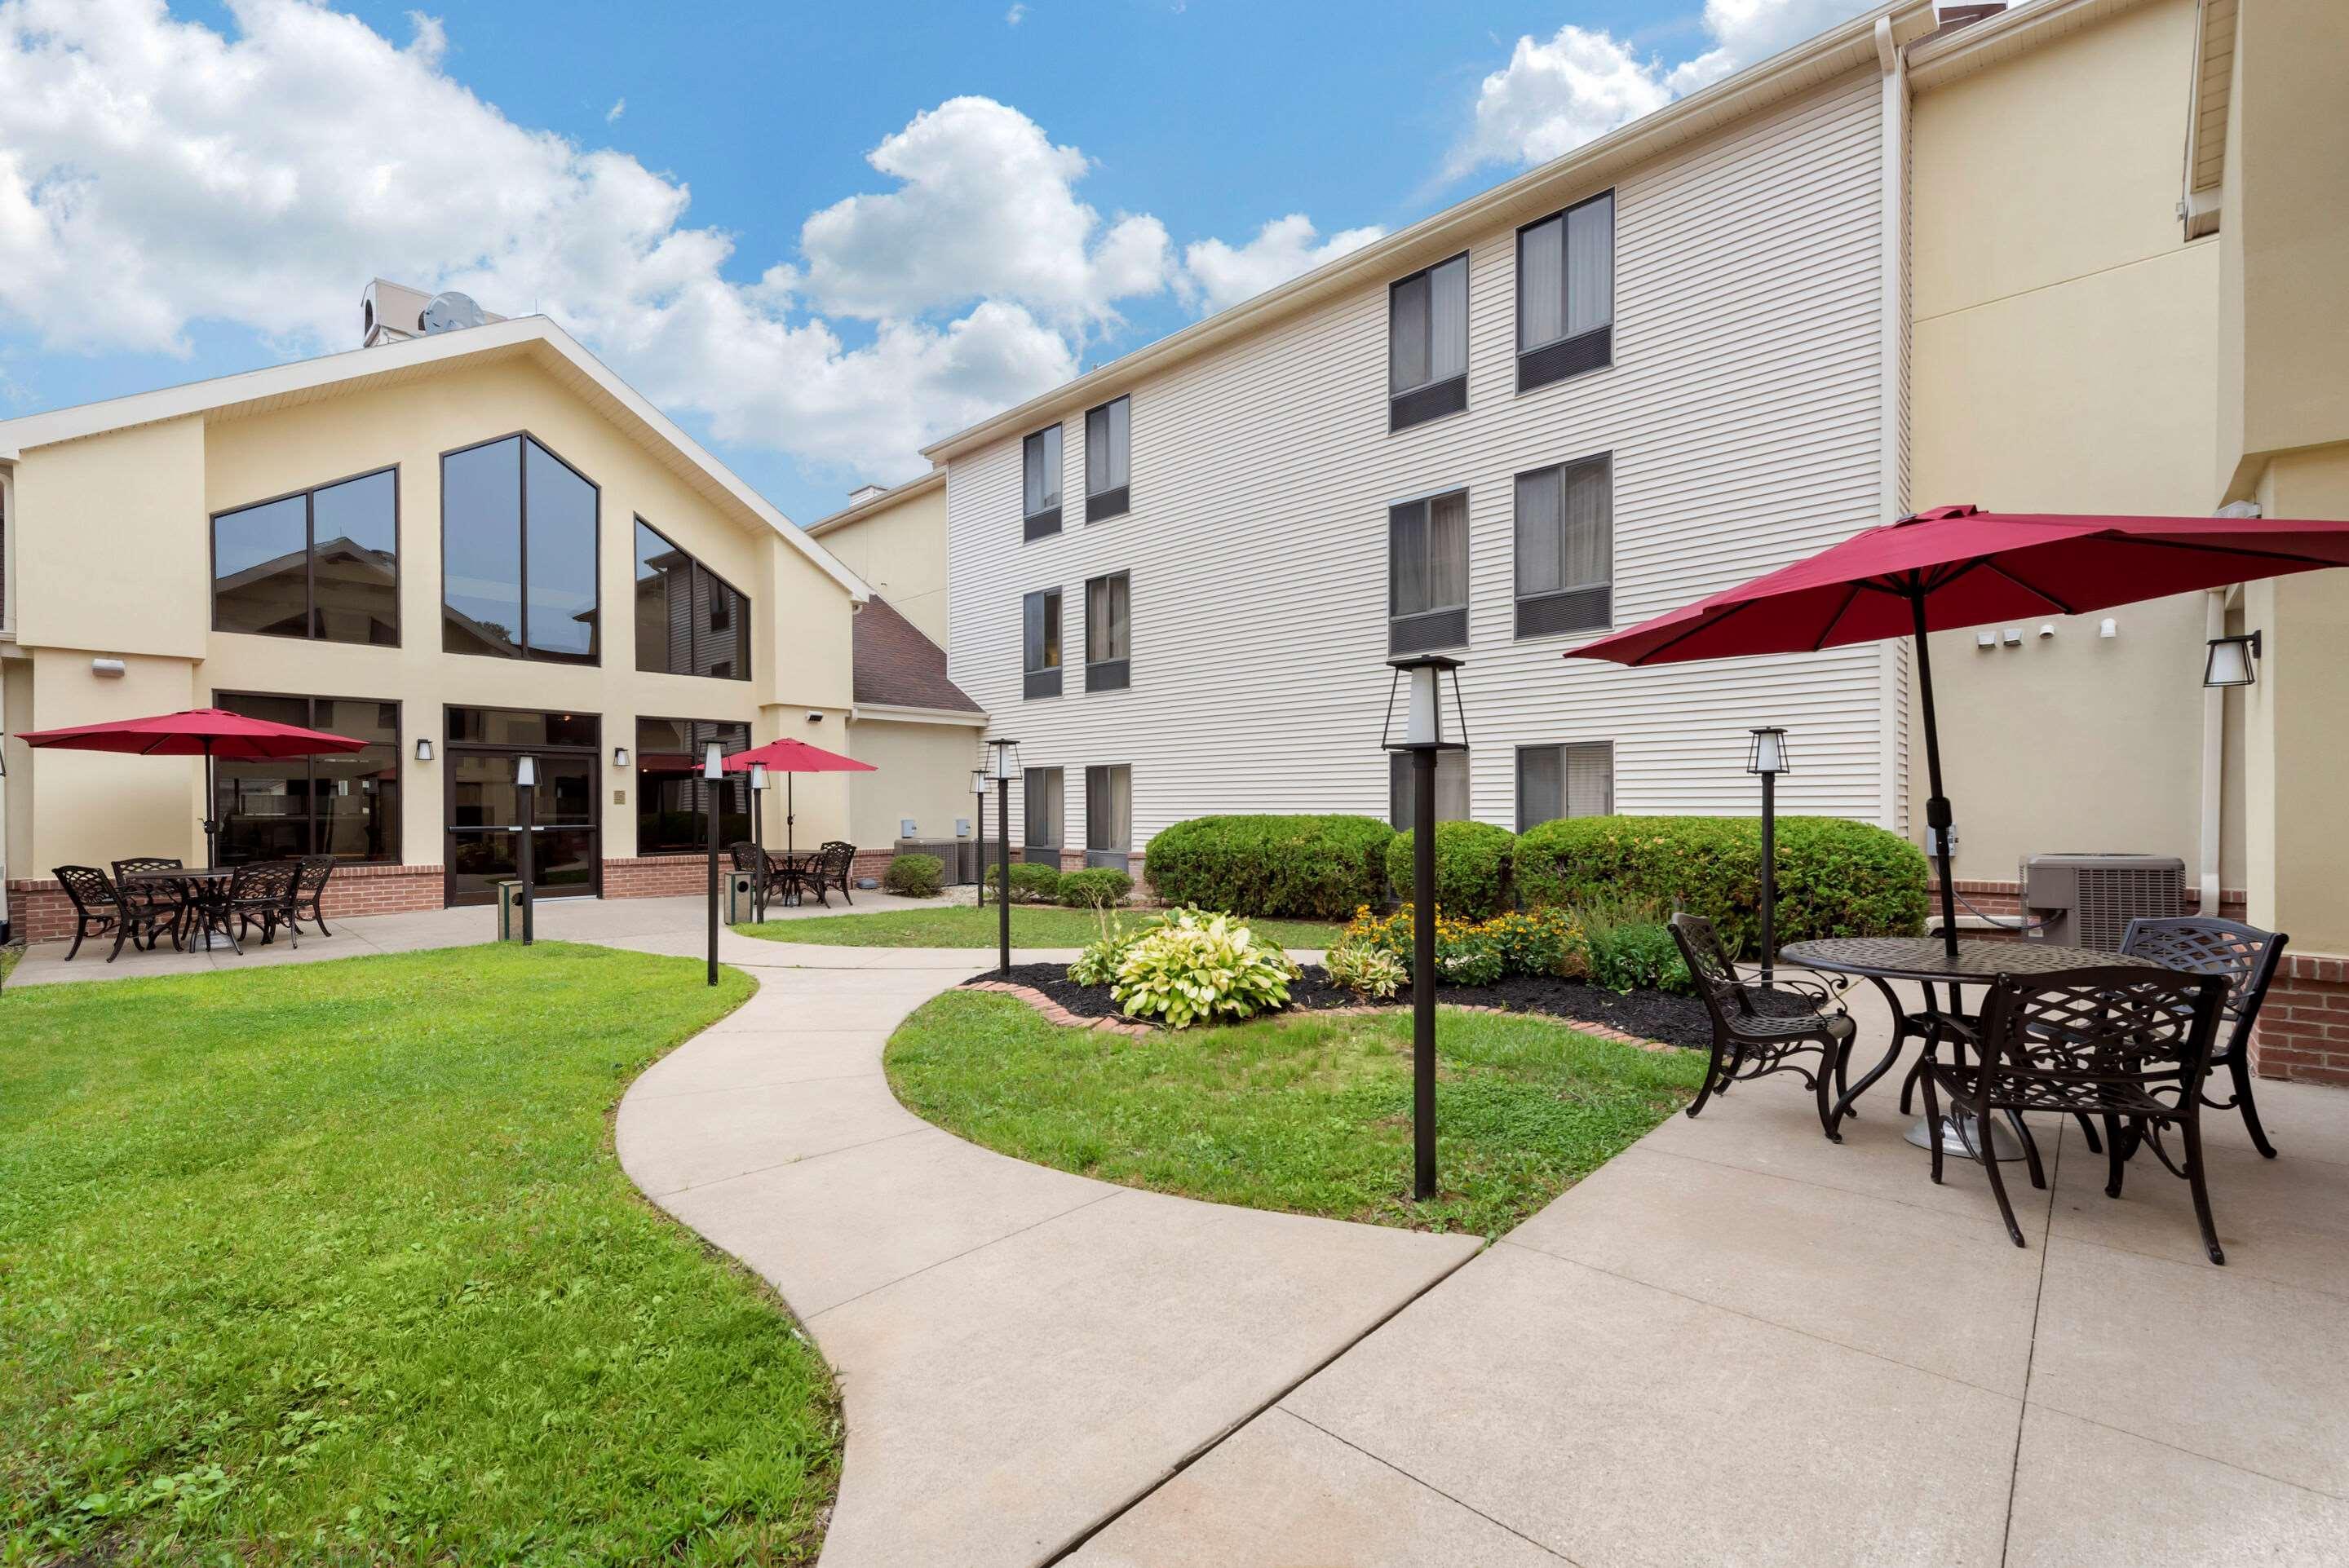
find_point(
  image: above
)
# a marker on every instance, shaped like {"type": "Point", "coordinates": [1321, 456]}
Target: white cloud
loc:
{"type": "Point", "coordinates": [1017, 15]}
{"type": "Point", "coordinates": [1553, 96]}
{"type": "Point", "coordinates": [1215, 274]}
{"type": "Point", "coordinates": [619, 106]}
{"type": "Point", "coordinates": [155, 172]}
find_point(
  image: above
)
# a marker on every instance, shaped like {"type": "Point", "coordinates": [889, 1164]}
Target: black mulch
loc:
{"type": "Point", "coordinates": [1650, 1014]}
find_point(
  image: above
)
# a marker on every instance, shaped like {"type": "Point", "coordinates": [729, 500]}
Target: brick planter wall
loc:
{"type": "Point", "coordinates": [660, 876]}
{"type": "Point", "coordinates": [2004, 899]}
{"type": "Point", "coordinates": [38, 910]}
{"type": "Point", "coordinates": [2304, 1027]}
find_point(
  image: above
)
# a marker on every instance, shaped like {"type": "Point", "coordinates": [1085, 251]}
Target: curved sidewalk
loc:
{"type": "Point", "coordinates": [1022, 1353]}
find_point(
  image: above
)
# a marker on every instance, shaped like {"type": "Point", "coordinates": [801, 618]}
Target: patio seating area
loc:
{"type": "Point", "coordinates": [150, 899]}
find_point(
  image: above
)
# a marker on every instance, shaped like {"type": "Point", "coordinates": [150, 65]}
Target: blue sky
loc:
{"type": "Point", "coordinates": [205, 187]}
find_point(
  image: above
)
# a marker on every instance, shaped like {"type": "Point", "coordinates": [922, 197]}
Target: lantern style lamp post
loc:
{"type": "Point", "coordinates": [757, 832]}
{"type": "Point", "coordinates": [1002, 767]}
{"type": "Point", "coordinates": [979, 799]}
{"type": "Point", "coordinates": [713, 779]}
{"type": "Point", "coordinates": [1421, 679]}
{"type": "Point", "coordinates": [526, 781]}
{"type": "Point", "coordinates": [1767, 756]}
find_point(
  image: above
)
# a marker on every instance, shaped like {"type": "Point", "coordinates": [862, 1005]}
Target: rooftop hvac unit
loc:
{"type": "Point", "coordinates": [2088, 900]}
{"type": "Point", "coordinates": [960, 857]}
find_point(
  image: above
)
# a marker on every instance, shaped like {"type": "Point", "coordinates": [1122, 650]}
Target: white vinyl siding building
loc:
{"type": "Point", "coordinates": [1738, 423]}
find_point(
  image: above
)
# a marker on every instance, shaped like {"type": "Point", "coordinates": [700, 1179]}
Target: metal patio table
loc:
{"type": "Point", "coordinates": [207, 890]}
{"type": "Point", "coordinates": [1928, 961]}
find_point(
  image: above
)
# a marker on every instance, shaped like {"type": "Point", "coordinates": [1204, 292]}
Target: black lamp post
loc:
{"type": "Point", "coordinates": [1767, 756]}
{"type": "Point", "coordinates": [979, 799]}
{"type": "Point", "coordinates": [713, 779]}
{"type": "Point", "coordinates": [526, 781]}
{"type": "Point", "coordinates": [1002, 767]}
{"type": "Point", "coordinates": [757, 832]}
{"type": "Point", "coordinates": [1423, 736]}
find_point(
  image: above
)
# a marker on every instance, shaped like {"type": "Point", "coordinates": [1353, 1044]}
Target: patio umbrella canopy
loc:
{"type": "Point", "coordinates": [206, 732]}
{"type": "Point", "coordinates": [789, 756]}
{"type": "Point", "coordinates": [1958, 566]}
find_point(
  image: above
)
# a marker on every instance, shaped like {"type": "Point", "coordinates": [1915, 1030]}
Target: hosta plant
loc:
{"type": "Point", "coordinates": [1194, 967]}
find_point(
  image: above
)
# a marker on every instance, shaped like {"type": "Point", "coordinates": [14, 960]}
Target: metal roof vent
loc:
{"type": "Point", "coordinates": [451, 311]}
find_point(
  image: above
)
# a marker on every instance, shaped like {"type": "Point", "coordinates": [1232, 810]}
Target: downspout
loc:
{"type": "Point", "coordinates": [1891, 383]}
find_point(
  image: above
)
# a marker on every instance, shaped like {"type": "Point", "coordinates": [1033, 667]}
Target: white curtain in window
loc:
{"type": "Point", "coordinates": [1537, 533]}
{"type": "Point", "coordinates": [1590, 779]}
{"type": "Point", "coordinates": [1590, 265]}
{"type": "Point", "coordinates": [1105, 619]}
{"type": "Point", "coordinates": [1107, 443]}
{"type": "Point", "coordinates": [1040, 789]}
{"type": "Point", "coordinates": [1447, 352]}
{"type": "Point", "coordinates": [1041, 455]}
{"type": "Point", "coordinates": [1541, 784]}
{"type": "Point", "coordinates": [1407, 558]}
{"type": "Point", "coordinates": [1586, 550]}
{"type": "Point", "coordinates": [1109, 807]}
{"type": "Point", "coordinates": [1407, 335]}
{"type": "Point", "coordinates": [1447, 551]}
{"type": "Point", "coordinates": [1541, 284]}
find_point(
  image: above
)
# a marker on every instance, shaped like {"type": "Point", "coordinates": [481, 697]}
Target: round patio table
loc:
{"type": "Point", "coordinates": [1928, 961]}
{"type": "Point", "coordinates": [207, 890]}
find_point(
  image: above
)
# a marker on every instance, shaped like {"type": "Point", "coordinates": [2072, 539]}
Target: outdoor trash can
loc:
{"type": "Point", "coordinates": [510, 911]}
{"type": "Point", "coordinates": [742, 898]}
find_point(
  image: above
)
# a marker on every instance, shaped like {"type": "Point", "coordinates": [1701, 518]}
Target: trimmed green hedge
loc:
{"type": "Point", "coordinates": [1030, 883]}
{"type": "Point", "coordinates": [1835, 877]}
{"type": "Point", "coordinates": [1096, 887]}
{"type": "Point", "coordinates": [1306, 868]}
{"type": "Point", "coordinates": [916, 876]}
{"type": "Point", "coordinates": [1472, 869]}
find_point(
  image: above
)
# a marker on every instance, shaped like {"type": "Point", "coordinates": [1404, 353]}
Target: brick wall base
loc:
{"type": "Point", "coordinates": [38, 910]}
{"type": "Point", "coordinates": [683, 876]}
{"type": "Point", "coordinates": [2303, 1028]}
{"type": "Point", "coordinates": [2005, 899]}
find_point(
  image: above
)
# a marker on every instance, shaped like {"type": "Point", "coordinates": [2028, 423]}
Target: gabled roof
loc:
{"type": "Point", "coordinates": [921, 484]}
{"type": "Point", "coordinates": [897, 666]}
{"type": "Point", "coordinates": [535, 337]}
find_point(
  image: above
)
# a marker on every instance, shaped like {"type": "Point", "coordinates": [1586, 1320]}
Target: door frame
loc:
{"type": "Point", "coordinates": [450, 748]}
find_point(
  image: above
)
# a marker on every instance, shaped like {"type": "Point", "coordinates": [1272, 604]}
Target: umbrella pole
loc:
{"type": "Point", "coordinates": [791, 811]}
{"type": "Point", "coordinates": [212, 810]}
{"type": "Point", "coordinates": [1937, 805]}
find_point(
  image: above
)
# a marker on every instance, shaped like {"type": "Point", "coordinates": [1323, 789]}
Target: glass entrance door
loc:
{"type": "Point", "coordinates": [485, 826]}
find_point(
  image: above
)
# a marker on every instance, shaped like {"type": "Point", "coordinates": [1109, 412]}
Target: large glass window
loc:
{"type": "Point", "coordinates": [1565, 292]}
{"type": "Point", "coordinates": [1108, 448]}
{"type": "Point", "coordinates": [1039, 468]}
{"type": "Point", "coordinates": [690, 620]}
{"type": "Point", "coordinates": [1427, 574]}
{"type": "Point", "coordinates": [1566, 548]}
{"type": "Point", "coordinates": [1427, 345]}
{"type": "Point", "coordinates": [324, 563]}
{"type": "Point", "coordinates": [518, 531]}
{"type": "Point", "coordinates": [1108, 633]}
{"type": "Point", "coordinates": [1039, 643]}
{"type": "Point", "coordinates": [346, 805]}
{"type": "Point", "coordinates": [1109, 816]}
{"type": "Point", "coordinates": [1553, 782]}
{"type": "Point", "coordinates": [1451, 788]}
{"type": "Point", "coordinates": [672, 797]}
{"type": "Point", "coordinates": [1039, 797]}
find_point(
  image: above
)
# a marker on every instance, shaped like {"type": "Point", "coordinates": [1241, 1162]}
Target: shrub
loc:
{"type": "Point", "coordinates": [1471, 868]}
{"type": "Point", "coordinates": [1834, 877]}
{"type": "Point", "coordinates": [1477, 953]}
{"type": "Point", "coordinates": [1308, 868]}
{"type": "Point", "coordinates": [1193, 967]}
{"type": "Point", "coordinates": [1030, 884]}
{"type": "Point", "coordinates": [1547, 943]}
{"type": "Point", "coordinates": [1366, 969]}
{"type": "Point", "coordinates": [916, 876]}
{"type": "Point", "coordinates": [1097, 888]}
{"type": "Point", "coordinates": [1097, 962]}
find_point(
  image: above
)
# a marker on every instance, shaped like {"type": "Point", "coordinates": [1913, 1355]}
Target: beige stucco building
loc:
{"type": "Point", "coordinates": [464, 547]}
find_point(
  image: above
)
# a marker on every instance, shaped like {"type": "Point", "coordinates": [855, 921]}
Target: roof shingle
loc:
{"type": "Point", "coordinates": [896, 666]}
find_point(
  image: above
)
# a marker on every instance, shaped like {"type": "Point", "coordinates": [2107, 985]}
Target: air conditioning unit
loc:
{"type": "Point", "coordinates": [2088, 900]}
{"type": "Point", "coordinates": [960, 857]}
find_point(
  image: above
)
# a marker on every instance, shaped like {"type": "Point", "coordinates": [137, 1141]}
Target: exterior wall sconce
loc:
{"type": "Point", "coordinates": [1424, 738]}
{"type": "Point", "coordinates": [2108, 627]}
{"type": "Point", "coordinates": [2232, 661]}
{"type": "Point", "coordinates": [423, 750]}
{"type": "Point", "coordinates": [620, 758]}
{"type": "Point", "coordinates": [110, 669]}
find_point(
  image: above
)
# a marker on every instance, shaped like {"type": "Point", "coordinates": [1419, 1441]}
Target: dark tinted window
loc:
{"type": "Point", "coordinates": [324, 564]}
{"type": "Point", "coordinates": [261, 569]}
{"type": "Point", "coordinates": [559, 508]}
{"type": "Point", "coordinates": [346, 805]}
{"type": "Point", "coordinates": [518, 539]}
{"type": "Point", "coordinates": [673, 799]}
{"type": "Point", "coordinates": [690, 620]}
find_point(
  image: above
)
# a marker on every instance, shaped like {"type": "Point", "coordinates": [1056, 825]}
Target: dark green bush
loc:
{"type": "Point", "coordinates": [1096, 887]}
{"type": "Point", "coordinates": [1030, 884]}
{"type": "Point", "coordinates": [916, 876]}
{"type": "Point", "coordinates": [1835, 877]}
{"type": "Point", "coordinates": [1638, 956]}
{"type": "Point", "coordinates": [1306, 868]}
{"type": "Point", "coordinates": [1472, 869]}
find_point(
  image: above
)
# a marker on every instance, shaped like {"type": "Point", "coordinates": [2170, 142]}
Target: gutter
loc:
{"type": "Point", "coordinates": [898, 714]}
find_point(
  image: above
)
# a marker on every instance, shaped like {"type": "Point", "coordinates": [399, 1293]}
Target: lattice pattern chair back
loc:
{"type": "Point", "coordinates": [2244, 956]}
{"type": "Point", "coordinates": [746, 854]}
{"type": "Point", "coordinates": [91, 890]}
{"type": "Point", "coordinates": [2101, 1039]}
{"type": "Point", "coordinates": [1709, 965]}
{"type": "Point", "coordinates": [311, 873]}
{"type": "Point", "coordinates": [147, 863]}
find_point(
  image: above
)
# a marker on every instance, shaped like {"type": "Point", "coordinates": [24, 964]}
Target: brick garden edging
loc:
{"type": "Point", "coordinates": [1056, 1014]}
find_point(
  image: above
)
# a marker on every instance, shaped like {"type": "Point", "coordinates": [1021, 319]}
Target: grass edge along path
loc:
{"type": "Point", "coordinates": [965, 925]}
{"type": "Point", "coordinates": [335, 1262]}
{"type": "Point", "coordinates": [1306, 1113]}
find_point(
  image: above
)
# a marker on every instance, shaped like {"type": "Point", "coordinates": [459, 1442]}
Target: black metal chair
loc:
{"type": "Point", "coordinates": [1748, 1042]}
{"type": "Point", "coordinates": [833, 861]}
{"type": "Point", "coordinates": [2245, 957]}
{"type": "Point", "coordinates": [2129, 1046]}
{"type": "Point", "coordinates": [262, 892]}
{"type": "Point", "coordinates": [100, 909]}
{"type": "Point", "coordinates": [311, 874]}
{"type": "Point", "coordinates": [162, 905]}
{"type": "Point", "coordinates": [770, 874]}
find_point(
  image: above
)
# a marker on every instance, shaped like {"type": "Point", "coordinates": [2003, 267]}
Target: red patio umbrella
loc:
{"type": "Point", "coordinates": [206, 732]}
{"type": "Point", "coordinates": [788, 757]}
{"type": "Point", "coordinates": [1960, 566]}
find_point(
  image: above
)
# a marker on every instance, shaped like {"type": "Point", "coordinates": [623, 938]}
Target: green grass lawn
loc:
{"type": "Point", "coordinates": [964, 925]}
{"type": "Point", "coordinates": [1300, 1112]}
{"type": "Point", "coordinates": [334, 1263]}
